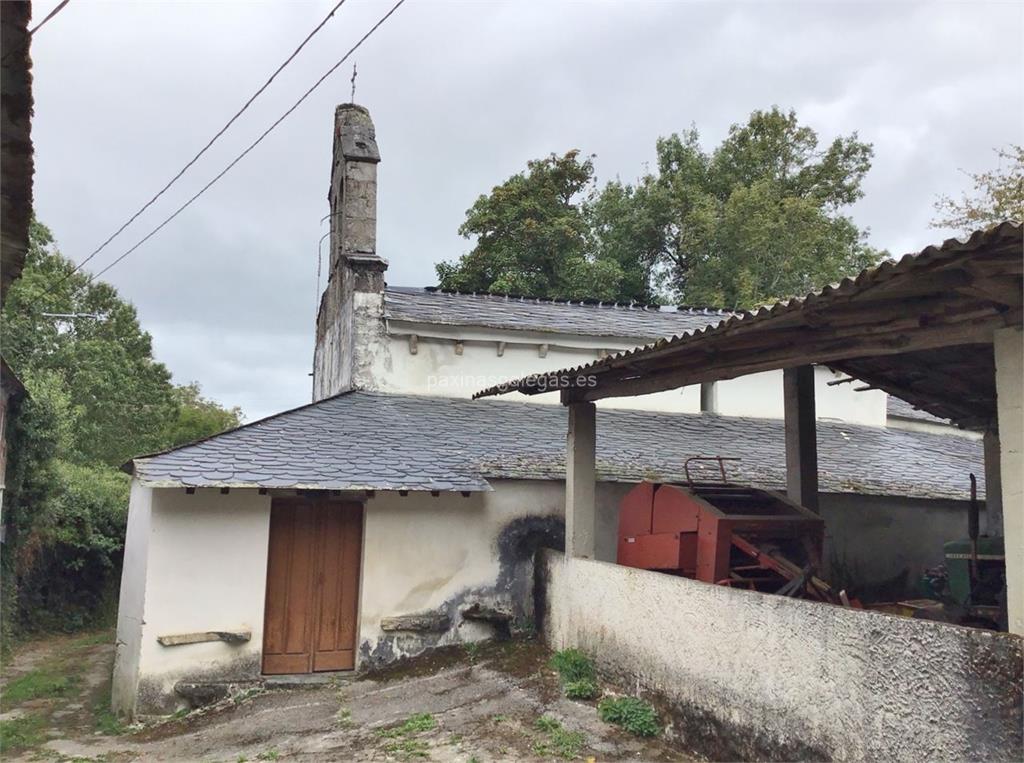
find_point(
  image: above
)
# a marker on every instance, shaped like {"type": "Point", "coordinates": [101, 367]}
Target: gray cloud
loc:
{"type": "Point", "coordinates": [463, 94]}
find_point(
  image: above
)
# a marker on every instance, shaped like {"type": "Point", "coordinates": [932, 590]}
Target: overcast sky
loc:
{"type": "Point", "coordinates": [462, 94]}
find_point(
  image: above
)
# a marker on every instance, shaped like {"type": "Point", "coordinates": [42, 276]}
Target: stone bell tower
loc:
{"type": "Point", "coordinates": [350, 325]}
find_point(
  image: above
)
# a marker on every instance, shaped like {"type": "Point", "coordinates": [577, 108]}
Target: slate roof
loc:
{"type": "Point", "coordinates": [901, 409]}
{"type": "Point", "coordinates": [369, 440]}
{"type": "Point", "coordinates": [645, 322]}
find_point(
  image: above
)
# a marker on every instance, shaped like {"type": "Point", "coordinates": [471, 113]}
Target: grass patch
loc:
{"type": "Point", "coordinates": [634, 715]}
{"type": "Point", "coordinates": [576, 670]}
{"type": "Point", "coordinates": [21, 734]}
{"type": "Point", "coordinates": [48, 681]}
{"type": "Point", "coordinates": [271, 754]}
{"type": "Point", "coordinates": [558, 742]}
{"type": "Point", "coordinates": [93, 639]}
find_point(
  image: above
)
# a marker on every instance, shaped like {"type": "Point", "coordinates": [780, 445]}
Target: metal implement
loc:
{"type": "Point", "coordinates": [724, 533]}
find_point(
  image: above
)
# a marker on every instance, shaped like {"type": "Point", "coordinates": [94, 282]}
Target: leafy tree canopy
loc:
{"type": "Point", "coordinates": [533, 238]}
{"type": "Point", "coordinates": [757, 219]}
{"type": "Point", "coordinates": [198, 417]}
{"type": "Point", "coordinates": [96, 398]}
{"type": "Point", "coordinates": [998, 195]}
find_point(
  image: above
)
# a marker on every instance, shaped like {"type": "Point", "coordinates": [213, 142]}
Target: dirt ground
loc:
{"type": "Point", "coordinates": [496, 702]}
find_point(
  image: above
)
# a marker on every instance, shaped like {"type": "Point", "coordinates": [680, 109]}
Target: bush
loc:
{"type": "Point", "coordinates": [634, 715]}
{"type": "Point", "coordinates": [573, 666]}
{"type": "Point", "coordinates": [69, 562]}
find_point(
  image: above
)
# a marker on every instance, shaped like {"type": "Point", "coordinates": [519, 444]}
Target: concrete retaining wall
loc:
{"type": "Point", "coordinates": [753, 676]}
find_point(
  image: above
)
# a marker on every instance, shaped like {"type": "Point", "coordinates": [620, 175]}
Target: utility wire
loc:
{"type": "Point", "coordinates": [255, 143]}
{"type": "Point", "coordinates": [205, 148]}
{"type": "Point", "coordinates": [50, 15]}
{"type": "Point", "coordinates": [28, 40]}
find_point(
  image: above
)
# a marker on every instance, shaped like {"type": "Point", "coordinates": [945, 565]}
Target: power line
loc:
{"type": "Point", "coordinates": [50, 15]}
{"type": "Point", "coordinates": [205, 148]}
{"type": "Point", "coordinates": [21, 49]}
{"type": "Point", "coordinates": [255, 143]}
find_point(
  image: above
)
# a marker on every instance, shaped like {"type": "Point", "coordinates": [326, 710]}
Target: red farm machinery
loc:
{"type": "Point", "coordinates": [726, 534]}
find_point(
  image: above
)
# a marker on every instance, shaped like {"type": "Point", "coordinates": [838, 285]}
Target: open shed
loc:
{"type": "Point", "coordinates": [940, 329]}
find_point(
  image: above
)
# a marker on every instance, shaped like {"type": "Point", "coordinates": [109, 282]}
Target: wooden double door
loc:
{"type": "Point", "coordinates": [312, 585]}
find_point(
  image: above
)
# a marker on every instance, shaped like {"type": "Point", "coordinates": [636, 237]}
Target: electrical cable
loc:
{"type": "Point", "coordinates": [205, 148]}
{"type": "Point", "coordinates": [255, 143]}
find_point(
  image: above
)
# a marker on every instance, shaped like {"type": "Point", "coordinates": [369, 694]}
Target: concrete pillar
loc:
{"type": "Point", "coordinates": [801, 436]}
{"type": "Point", "coordinates": [993, 485]}
{"type": "Point", "coordinates": [580, 509]}
{"type": "Point", "coordinates": [709, 397]}
{"type": "Point", "coordinates": [1008, 346]}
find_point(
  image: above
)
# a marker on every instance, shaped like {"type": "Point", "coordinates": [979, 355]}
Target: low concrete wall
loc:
{"type": "Point", "coordinates": [753, 676]}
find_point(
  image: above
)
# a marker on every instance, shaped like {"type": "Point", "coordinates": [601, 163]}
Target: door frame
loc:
{"type": "Point", "coordinates": [318, 498]}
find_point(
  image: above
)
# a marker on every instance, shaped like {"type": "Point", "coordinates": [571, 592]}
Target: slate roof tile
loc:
{"type": "Point", "coordinates": [370, 440]}
{"type": "Point", "coordinates": [419, 305]}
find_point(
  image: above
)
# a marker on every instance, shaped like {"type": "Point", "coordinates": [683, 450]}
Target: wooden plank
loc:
{"type": "Point", "coordinates": [179, 639]}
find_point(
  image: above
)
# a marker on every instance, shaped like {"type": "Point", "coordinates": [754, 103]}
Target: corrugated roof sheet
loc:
{"type": "Point", "coordinates": [641, 322]}
{"type": "Point", "coordinates": [1001, 234]}
{"type": "Point", "coordinates": [376, 441]}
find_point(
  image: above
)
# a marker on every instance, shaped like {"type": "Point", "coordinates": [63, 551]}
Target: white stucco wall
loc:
{"type": "Point", "coordinates": [1009, 356]}
{"type": "Point", "coordinates": [426, 554]}
{"type": "Point", "coordinates": [436, 369]}
{"type": "Point", "coordinates": [205, 570]}
{"type": "Point", "coordinates": [198, 562]}
{"type": "Point", "coordinates": [754, 676]}
{"type": "Point", "coordinates": [131, 603]}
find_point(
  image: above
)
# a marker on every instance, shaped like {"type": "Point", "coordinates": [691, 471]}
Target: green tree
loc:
{"type": "Point", "coordinates": [96, 397]}
{"type": "Point", "coordinates": [198, 417]}
{"type": "Point", "coordinates": [998, 195]}
{"type": "Point", "coordinates": [759, 218]}
{"type": "Point", "coordinates": [753, 221]}
{"type": "Point", "coordinates": [533, 237]}
{"type": "Point", "coordinates": [121, 398]}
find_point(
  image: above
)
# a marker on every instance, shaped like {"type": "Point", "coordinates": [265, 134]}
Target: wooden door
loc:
{"type": "Point", "coordinates": [312, 585]}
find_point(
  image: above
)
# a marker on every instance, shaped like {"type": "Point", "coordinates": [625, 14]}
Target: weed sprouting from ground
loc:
{"type": "Point", "coordinates": [414, 724]}
{"type": "Point", "coordinates": [107, 723]}
{"type": "Point", "coordinates": [407, 748]}
{"type": "Point", "coordinates": [585, 689]}
{"type": "Point", "coordinates": [343, 717]}
{"type": "Point", "coordinates": [402, 741]}
{"type": "Point", "coordinates": [576, 670]}
{"type": "Point", "coordinates": [558, 742]}
{"type": "Point", "coordinates": [634, 715]}
{"type": "Point", "coordinates": [472, 651]}
{"type": "Point", "coordinates": [271, 754]}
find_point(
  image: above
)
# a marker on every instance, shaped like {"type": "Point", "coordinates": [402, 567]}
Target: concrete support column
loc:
{"type": "Point", "coordinates": [993, 485]}
{"type": "Point", "coordinates": [580, 509]}
{"type": "Point", "coordinates": [801, 436]}
{"type": "Point", "coordinates": [1008, 346]}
